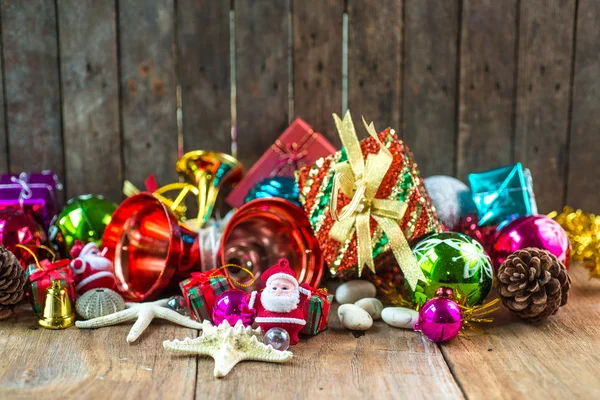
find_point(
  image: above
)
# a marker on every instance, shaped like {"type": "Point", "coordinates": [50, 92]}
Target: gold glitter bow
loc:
{"type": "Point", "coordinates": [360, 180]}
{"type": "Point", "coordinates": [583, 230]}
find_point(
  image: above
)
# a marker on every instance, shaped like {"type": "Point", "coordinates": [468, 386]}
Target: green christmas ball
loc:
{"type": "Point", "coordinates": [455, 261]}
{"type": "Point", "coordinates": [84, 218]}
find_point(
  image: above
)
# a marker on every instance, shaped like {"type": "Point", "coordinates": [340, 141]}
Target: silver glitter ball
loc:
{"type": "Point", "coordinates": [451, 197]}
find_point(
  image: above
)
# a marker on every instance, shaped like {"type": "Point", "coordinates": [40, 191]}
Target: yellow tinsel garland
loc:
{"type": "Point", "coordinates": [583, 230]}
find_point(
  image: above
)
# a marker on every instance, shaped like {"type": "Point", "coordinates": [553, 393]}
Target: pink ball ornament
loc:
{"type": "Point", "coordinates": [440, 318]}
{"type": "Point", "coordinates": [531, 231]}
{"type": "Point", "coordinates": [230, 306]}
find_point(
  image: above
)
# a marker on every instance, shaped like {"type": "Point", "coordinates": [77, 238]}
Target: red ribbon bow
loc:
{"type": "Point", "coordinates": [52, 270]}
{"type": "Point", "coordinates": [200, 279]}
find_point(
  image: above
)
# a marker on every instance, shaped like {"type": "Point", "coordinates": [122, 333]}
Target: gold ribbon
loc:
{"type": "Point", "coordinates": [360, 180]}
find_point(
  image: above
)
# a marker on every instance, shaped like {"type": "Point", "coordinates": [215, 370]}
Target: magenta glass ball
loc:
{"type": "Point", "coordinates": [230, 306]}
{"type": "Point", "coordinates": [439, 320]}
{"type": "Point", "coordinates": [531, 231]}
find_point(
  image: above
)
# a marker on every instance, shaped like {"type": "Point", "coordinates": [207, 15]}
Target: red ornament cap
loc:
{"type": "Point", "coordinates": [281, 270]}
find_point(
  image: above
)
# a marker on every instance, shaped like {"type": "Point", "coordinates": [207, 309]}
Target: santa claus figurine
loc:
{"type": "Point", "coordinates": [281, 303]}
{"type": "Point", "coordinates": [92, 270]}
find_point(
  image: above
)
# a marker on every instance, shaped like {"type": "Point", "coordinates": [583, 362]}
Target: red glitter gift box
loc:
{"type": "Point", "coordinates": [401, 183]}
{"type": "Point", "coordinates": [299, 145]}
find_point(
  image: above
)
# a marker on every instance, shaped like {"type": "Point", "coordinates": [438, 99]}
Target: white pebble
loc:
{"type": "Point", "coordinates": [354, 317]}
{"type": "Point", "coordinates": [400, 317]}
{"type": "Point", "coordinates": [351, 292]}
{"type": "Point", "coordinates": [371, 305]}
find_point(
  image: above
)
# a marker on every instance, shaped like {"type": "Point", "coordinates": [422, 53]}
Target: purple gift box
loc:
{"type": "Point", "coordinates": [37, 194]}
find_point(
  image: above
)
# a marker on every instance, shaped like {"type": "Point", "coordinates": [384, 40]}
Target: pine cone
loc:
{"type": "Point", "coordinates": [12, 282]}
{"type": "Point", "coordinates": [533, 283]}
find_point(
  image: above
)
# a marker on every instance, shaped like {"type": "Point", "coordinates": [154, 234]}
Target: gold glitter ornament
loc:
{"type": "Point", "coordinates": [583, 230]}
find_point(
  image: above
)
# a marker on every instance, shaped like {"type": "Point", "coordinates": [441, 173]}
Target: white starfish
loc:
{"type": "Point", "coordinates": [143, 313]}
{"type": "Point", "coordinates": [228, 346]}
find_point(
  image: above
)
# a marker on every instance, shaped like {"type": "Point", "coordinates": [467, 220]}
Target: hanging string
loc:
{"type": "Point", "coordinates": [49, 250]}
{"type": "Point", "coordinates": [37, 262]}
{"type": "Point", "coordinates": [237, 283]}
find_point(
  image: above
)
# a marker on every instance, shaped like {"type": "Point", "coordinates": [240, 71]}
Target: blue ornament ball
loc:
{"type": "Point", "coordinates": [451, 197]}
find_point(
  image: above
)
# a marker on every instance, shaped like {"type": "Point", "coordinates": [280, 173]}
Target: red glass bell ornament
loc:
{"type": "Point", "coordinates": [265, 230]}
{"type": "Point", "coordinates": [151, 249]}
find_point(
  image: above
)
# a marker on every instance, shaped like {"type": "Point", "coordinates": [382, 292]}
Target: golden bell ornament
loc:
{"type": "Point", "coordinates": [58, 309]}
{"type": "Point", "coordinates": [208, 171]}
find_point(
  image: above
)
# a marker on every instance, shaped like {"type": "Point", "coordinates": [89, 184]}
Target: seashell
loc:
{"type": "Point", "coordinates": [352, 291]}
{"type": "Point", "coordinates": [371, 305]}
{"type": "Point", "coordinates": [400, 317]}
{"type": "Point", "coordinates": [354, 318]}
{"type": "Point", "coordinates": [99, 302]}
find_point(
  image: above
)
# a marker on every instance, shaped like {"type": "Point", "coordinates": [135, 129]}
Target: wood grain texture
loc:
{"type": "Point", "coordinates": [204, 65]}
{"type": "Point", "coordinates": [31, 72]}
{"type": "Point", "coordinates": [90, 87]}
{"type": "Point", "coordinates": [486, 92]}
{"type": "Point", "coordinates": [148, 87]}
{"type": "Point", "coordinates": [430, 72]}
{"type": "Point", "coordinates": [91, 364]}
{"type": "Point", "coordinates": [317, 38]}
{"type": "Point", "coordinates": [375, 61]}
{"type": "Point", "coordinates": [3, 134]}
{"type": "Point", "coordinates": [262, 75]}
{"type": "Point", "coordinates": [584, 178]}
{"type": "Point", "coordinates": [555, 359]}
{"type": "Point", "coordinates": [543, 95]}
{"type": "Point", "coordinates": [384, 363]}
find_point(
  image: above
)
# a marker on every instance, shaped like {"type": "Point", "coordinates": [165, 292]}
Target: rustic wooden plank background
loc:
{"type": "Point", "coordinates": [113, 90]}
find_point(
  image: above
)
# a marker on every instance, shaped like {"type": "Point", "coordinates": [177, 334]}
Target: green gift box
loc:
{"type": "Point", "coordinates": [316, 312]}
{"type": "Point", "coordinates": [201, 290]}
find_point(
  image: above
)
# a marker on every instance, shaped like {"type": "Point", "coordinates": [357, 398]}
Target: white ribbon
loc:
{"type": "Point", "coordinates": [26, 191]}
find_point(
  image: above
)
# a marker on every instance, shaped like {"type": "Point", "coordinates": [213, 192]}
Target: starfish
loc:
{"type": "Point", "coordinates": [143, 313]}
{"type": "Point", "coordinates": [228, 346]}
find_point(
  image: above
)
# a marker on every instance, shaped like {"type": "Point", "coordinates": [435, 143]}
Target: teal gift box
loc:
{"type": "Point", "coordinates": [502, 194]}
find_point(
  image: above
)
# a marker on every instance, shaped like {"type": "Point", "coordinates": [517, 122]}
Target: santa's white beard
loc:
{"type": "Point", "coordinates": [280, 304]}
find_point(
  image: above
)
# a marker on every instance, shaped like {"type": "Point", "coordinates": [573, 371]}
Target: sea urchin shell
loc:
{"type": "Point", "coordinates": [98, 303]}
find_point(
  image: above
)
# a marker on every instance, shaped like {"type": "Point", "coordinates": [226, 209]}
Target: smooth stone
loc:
{"type": "Point", "coordinates": [354, 318]}
{"type": "Point", "coordinates": [400, 317]}
{"type": "Point", "coordinates": [352, 291]}
{"type": "Point", "coordinates": [371, 305]}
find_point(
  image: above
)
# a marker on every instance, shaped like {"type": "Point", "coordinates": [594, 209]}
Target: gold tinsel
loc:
{"type": "Point", "coordinates": [471, 314]}
{"type": "Point", "coordinates": [583, 230]}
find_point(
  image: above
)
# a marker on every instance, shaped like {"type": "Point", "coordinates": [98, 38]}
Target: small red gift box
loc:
{"type": "Point", "coordinates": [299, 145]}
{"type": "Point", "coordinates": [41, 277]}
{"type": "Point", "coordinates": [201, 290]}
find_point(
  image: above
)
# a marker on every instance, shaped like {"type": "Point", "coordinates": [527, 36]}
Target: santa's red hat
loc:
{"type": "Point", "coordinates": [281, 270]}
{"type": "Point", "coordinates": [76, 249]}
{"type": "Point", "coordinates": [80, 250]}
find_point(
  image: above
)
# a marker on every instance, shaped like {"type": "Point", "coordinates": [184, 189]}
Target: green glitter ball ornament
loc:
{"type": "Point", "coordinates": [84, 218]}
{"type": "Point", "coordinates": [455, 261]}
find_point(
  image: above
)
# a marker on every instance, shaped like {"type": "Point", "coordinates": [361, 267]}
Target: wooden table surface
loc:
{"type": "Point", "coordinates": [558, 359]}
